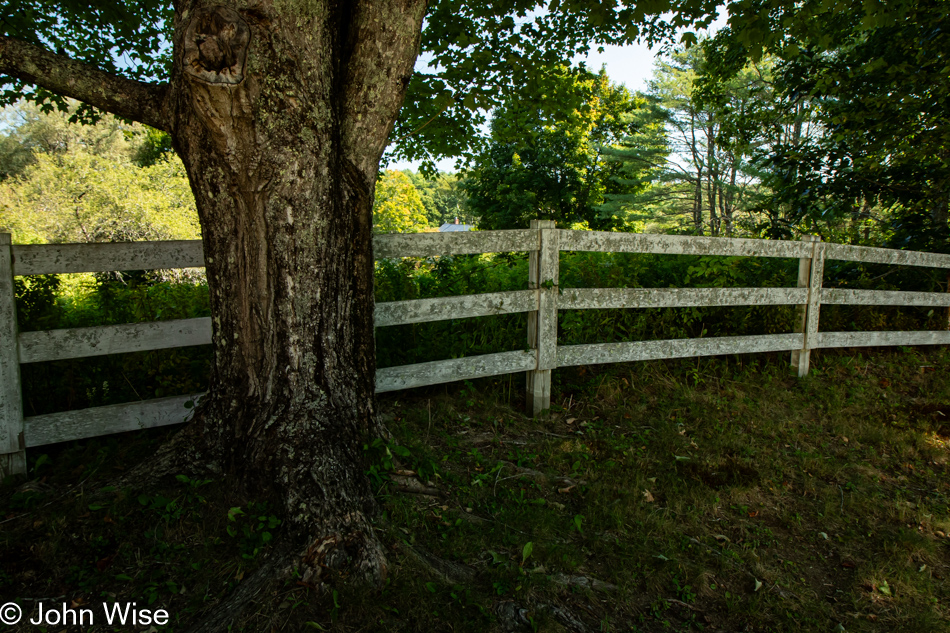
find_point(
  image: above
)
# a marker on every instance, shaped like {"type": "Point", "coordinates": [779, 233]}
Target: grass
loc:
{"type": "Point", "coordinates": [702, 494]}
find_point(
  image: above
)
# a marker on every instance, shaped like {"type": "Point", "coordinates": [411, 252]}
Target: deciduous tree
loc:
{"type": "Point", "coordinates": [877, 87]}
{"type": "Point", "coordinates": [280, 111]}
{"type": "Point", "coordinates": [398, 207]}
{"type": "Point", "coordinates": [545, 155]}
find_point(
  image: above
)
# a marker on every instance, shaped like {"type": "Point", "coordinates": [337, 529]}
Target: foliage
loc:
{"type": "Point", "coordinates": [879, 92]}
{"type": "Point", "coordinates": [29, 132]}
{"type": "Point", "coordinates": [70, 183]}
{"type": "Point", "coordinates": [708, 180]}
{"type": "Point", "coordinates": [443, 197]}
{"type": "Point", "coordinates": [128, 39]}
{"type": "Point", "coordinates": [545, 158]}
{"type": "Point", "coordinates": [397, 207]}
{"type": "Point", "coordinates": [156, 146]}
{"type": "Point", "coordinates": [53, 302]}
{"type": "Point", "coordinates": [80, 197]}
{"type": "Point", "coordinates": [640, 157]}
{"type": "Point", "coordinates": [480, 53]}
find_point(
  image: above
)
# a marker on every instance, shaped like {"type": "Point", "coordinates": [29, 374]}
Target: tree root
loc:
{"type": "Point", "coordinates": [407, 482]}
{"type": "Point", "coordinates": [583, 582]}
{"type": "Point", "coordinates": [356, 554]}
{"type": "Point", "coordinates": [560, 480]}
{"type": "Point", "coordinates": [171, 458]}
{"type": "Point", "coordinates": [513, 617]}
{"type": "Point", "coordinates": [449, 572]}
{"type": "Point", "coordinates": [565, 616]}
{"type": "Point", "coordinates": [222, 616]}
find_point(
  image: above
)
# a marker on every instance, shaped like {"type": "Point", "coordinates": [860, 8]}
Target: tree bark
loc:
{"type": "Point", "coordinates": [280, 112]}
{"type": "Point", "coordinates": [712, 175]}
{"type": "Point", "coordinates": [698, 189]}
{"type": "Point", "coordinates": [281, 116]}
{"type": "Point", "coordinates": [123, 97]}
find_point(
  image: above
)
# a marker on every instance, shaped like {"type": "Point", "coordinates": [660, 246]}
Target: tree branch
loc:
{"type": "Point", "coordinates": [126, 98]}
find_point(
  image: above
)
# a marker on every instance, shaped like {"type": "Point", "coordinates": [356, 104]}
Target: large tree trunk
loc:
{"type": "Point", "coordinates": [280, 114]}
{"type": "Point", "coordinates": [280, 111]}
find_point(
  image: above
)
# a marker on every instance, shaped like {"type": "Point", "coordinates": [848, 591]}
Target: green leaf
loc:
{"type": "Point", "coordinates": [526, 551]}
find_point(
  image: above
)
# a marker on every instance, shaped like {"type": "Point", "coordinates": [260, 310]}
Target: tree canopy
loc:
{"type": "Point", "coordinates": [478, 53]}
{"type": "Point", "coordinates": [280, 113]}
{"type": "Point", "coordinates": [545, 157]}
{"type": "Point", "coordinates": [398, 207]}
{"type": "Point", "coordinates": [69, 183]}
{"type": "Point", "coordinates": [875, 92]}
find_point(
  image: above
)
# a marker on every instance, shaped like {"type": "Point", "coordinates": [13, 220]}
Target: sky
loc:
{"type": "Point", "coordinates": [629, 65]}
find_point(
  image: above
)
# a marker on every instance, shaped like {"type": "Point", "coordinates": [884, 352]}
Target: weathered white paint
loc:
{"type": "Point", "coordinates": [886, 256]}
{"type": "Point", "coordinates": [876, 339]}
{"type": "Point", "coordinates": [116, 418]}
{"type": "Point", "coordinates": [547, 280]}
{"type": "Point", "coordinates": [442, 308]}
{"type": "Point", "coordinates": [43, 259]}
{"type": "Point", "coordinates": [600, 298]}
{"type": "Point", "coordinates": [679, 244]}
{"type": "Point", "coordinates": [541, 302]}
{"type": "Point", "coordinates": [83, 423]}
{"type": "Point", "coordinates": [571, 355]}
{"type": "Point", "coordinates": [813, 308]}
{"type": "Point", "coordinates": [543, 271]}
{"type": "Point", "coordinates": [437, 372]}
{"type": "Point", "coordinates": [12, 455]}
{"type": "Point", "coordinates": [846, 296]}
{"type": "Point", "coordinates": [804, 274]}
{"type": "Point", "coordinates": [46, 345]}
{"type": "Point", "coordinates": [39, 259]}
{"type": "Point", "coordinates": [461, 243]}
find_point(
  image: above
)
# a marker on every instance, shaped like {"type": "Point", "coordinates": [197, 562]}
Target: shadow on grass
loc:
{"type": "Point", "coordinates": [710, 494]}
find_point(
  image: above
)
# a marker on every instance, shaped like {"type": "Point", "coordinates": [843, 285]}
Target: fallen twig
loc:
{"type": "Point", "coordinates": [682, 604]}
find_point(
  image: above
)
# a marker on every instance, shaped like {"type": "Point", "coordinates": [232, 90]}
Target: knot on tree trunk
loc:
{"type": "Point", "coordinates": [216, 42]}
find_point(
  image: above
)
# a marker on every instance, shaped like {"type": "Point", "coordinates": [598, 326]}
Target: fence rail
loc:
{"type": "Point", "coordinates": [541, 302]}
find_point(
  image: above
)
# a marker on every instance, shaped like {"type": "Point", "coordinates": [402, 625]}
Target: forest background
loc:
{"type": "Point", "coordinates": [844, 143]}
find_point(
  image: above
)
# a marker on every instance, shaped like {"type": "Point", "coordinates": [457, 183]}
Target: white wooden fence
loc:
{"type": "Point", "coordinates": [542, 301]}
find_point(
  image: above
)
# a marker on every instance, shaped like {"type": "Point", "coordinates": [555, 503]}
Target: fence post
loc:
{"type": "Point", "coordinates": [948, 308]}
{"type": "Point", "coordinates": [810, 270]}
{"type": "Point", "coordinates": [12, 449]}
{"type": "Point", "coordinates": [542, 325]}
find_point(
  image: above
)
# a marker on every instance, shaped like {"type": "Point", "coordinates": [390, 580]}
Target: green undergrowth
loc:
{"type": "Point", "coordinates": [54, 302]}
{"type": "Point", "coordinates": [707, 494]}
